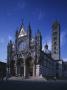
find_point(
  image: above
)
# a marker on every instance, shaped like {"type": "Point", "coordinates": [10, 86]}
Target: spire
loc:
{"type": "Point", "coordinates": [29, 31]}
{"type": "Point", "coordinates": [10, 41]}
{"type": "Point", "coordinates": [16, 33]}
{"type": "Point", "coordinates": [38, 32]}
{"type": "Point", "coordinates": [29, 28]}
{"type": "Point", "coordinates": [22, 24]}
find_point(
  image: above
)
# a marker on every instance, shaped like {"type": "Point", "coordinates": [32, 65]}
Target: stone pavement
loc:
{"type": "Point", "coordinates": [28, 79]}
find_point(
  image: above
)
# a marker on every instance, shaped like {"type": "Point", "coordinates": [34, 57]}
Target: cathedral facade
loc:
{"type": "Point", "coordinates": [24, 55]}
{"type": "Point", "coordinates": [26, 58]}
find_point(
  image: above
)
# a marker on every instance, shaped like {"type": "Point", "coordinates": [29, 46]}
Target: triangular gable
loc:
{"type": "Point", "coordinates": [22, 32]}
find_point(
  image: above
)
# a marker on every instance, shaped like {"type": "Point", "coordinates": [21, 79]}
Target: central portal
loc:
{"type": "Point", "coordinates": [29, 67]}
{"type": "Point", "coordinates": [20, 67]}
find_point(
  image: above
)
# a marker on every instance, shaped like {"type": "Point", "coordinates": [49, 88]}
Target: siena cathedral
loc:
{"type": "Point", "coordinates": [25, 57]}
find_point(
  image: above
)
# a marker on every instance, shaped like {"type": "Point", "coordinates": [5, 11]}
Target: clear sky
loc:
{"type": "Point", "coordinates": [40, 13]}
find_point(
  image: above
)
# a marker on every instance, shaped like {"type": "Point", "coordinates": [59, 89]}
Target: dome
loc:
{"type": "Point", "coordinates": [46, 46]}
{"type": "Point", "coordinates": [46, 49]}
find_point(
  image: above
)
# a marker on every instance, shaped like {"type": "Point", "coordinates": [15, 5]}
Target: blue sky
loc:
{"type": "Point", "coordinates": [40, 13]}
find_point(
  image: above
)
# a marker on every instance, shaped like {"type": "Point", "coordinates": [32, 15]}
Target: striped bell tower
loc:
{"type": "Point", "coordinates": [56, 40]}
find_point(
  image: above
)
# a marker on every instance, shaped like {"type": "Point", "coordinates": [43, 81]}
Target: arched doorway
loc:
{"type": "Point", "coordinates": [12, 69]}
{"type": "Point", "coordinates": [29, 66]}
{"type": "Point", "coordinates": [20, 67]}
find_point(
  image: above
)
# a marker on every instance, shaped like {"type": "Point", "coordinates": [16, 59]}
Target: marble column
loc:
{"type": "Point", "coordinates": [16, 67]}
{"type": "Point", "coordinates": [33, 70]}
{"type": "Point", "coordinates": [37, 70]}
{"type": "Point", "coordinates": [24, 69]}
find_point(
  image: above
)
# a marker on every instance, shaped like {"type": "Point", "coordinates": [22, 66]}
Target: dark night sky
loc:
{"type": "Point", "coordinates": [40, 13]}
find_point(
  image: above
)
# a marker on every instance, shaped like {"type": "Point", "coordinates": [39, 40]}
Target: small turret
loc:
{"type": "Point", "coordinates": [46, 50]}
{"type": "Point", "coordinates": [46, 46]}
{"type": "Point", "coordinates": [29, 33]}
{"type": "Point", "coordinates": [9, 51]}
{"type": "Point", "coordinates": [39, 39]}
{"type": "Point", "coordinates": [38, 45]}
{"type": "Point", "coordinates": [17, 33]}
